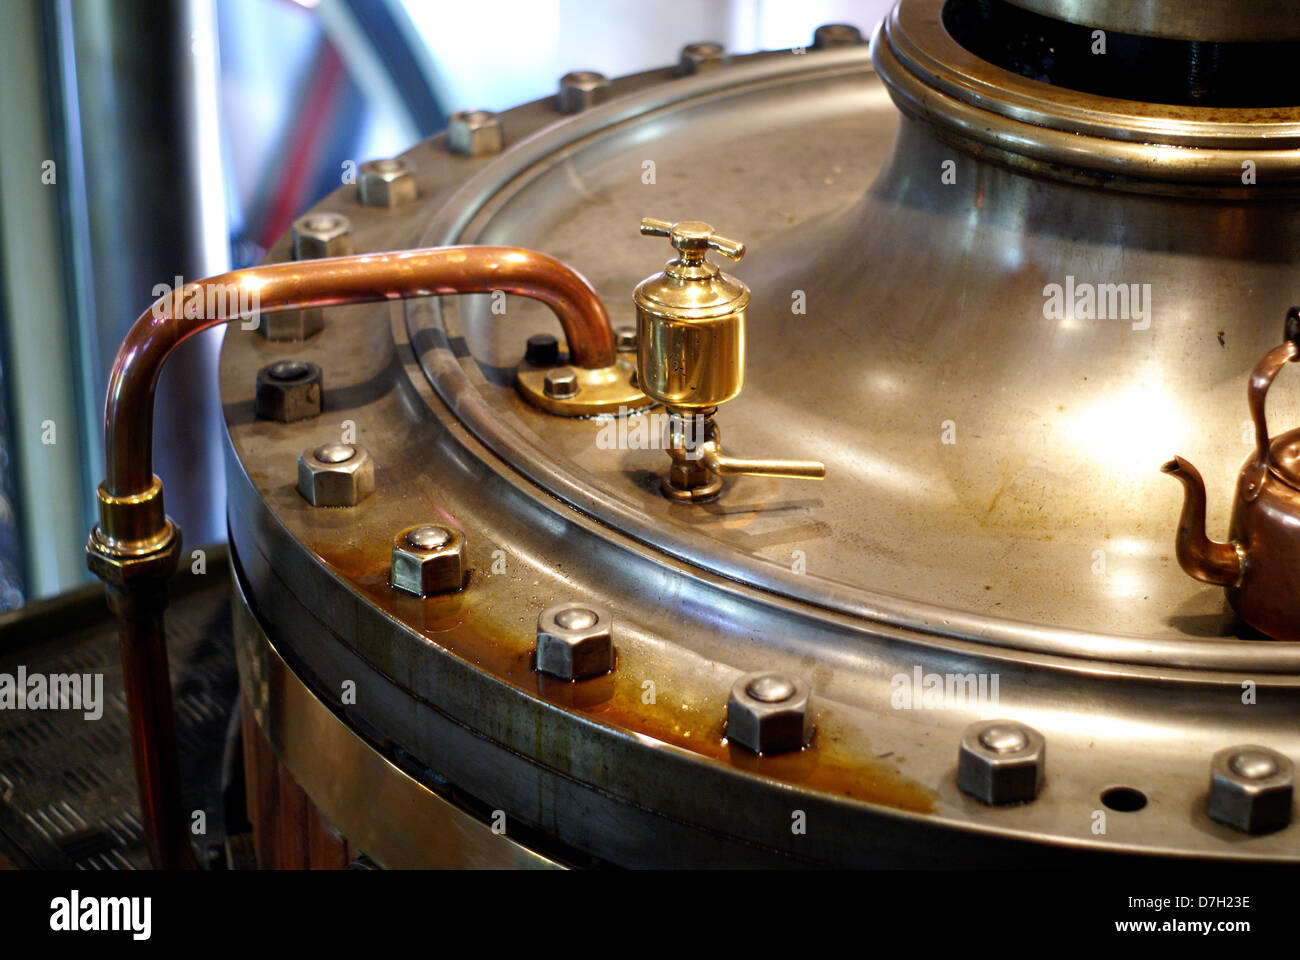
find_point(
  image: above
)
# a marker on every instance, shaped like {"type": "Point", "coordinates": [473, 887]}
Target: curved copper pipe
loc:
{"type": "Point", "coordinates": [128, 415]}
{"type": "Point", "coordinates": [134, 547]}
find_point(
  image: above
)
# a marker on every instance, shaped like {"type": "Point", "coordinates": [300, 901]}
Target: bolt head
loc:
{"type": "Point", "coordinates": [323, 234]}
{"type": "Point", "coordinates": [335, 475]}
{"type": "Point", "coordinates": [1001, 761]}
{"type": "Point", "coordinates": [291, 325]}
{"type": "Point", "coordinates": [575, 640]}
{"type": "Point", "coordinates": [287, 391]}
{"type": "Point", "coordinates": [698, 57]}
{"type": "Point", "coordinates": [836, 35]}
{"type": "Point", "coordinates": [625, 339]}
{"type": "Point", "coordinates": [1251, 788]}
{"type": "Point", "coordinates": [428, 559]}
{"type": "Point", "coordinates": [769, 713]}
{"type": "Point", "coordinates": [561, 383]}
{"type": "Point", "coordinates": [770, 688]}
{"type": "Point", "coordinates": [543, 350]}
{"type": "Point", "coordinates": [582, 90]}
{"type": "Point", "coordinates": [475, 133]}
{"type": "Point", "coordinates": [386, 183]}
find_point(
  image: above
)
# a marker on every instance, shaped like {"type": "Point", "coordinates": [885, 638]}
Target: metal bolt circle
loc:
{"type": "Point", "coordinates": [625, 339]}
{"type": "Point", "coordinates": [334, 452]}
{"type": "Point", "coordinates": [323, 222]}
{"type": "Point", "coordinates": [1004, 738]}
{"type": "Point", "coordinates": [561, 382]}
{"type": "Point", "coordinates": [1253, 765]}
{"type": "Point", "coordinates": [583, 79]}
{"type": "Point", "coordinates": [475, 133]}
{"type": "Point", "coordinates": [388, 165]}
{"type": "Point", "coordinates": [770, 688]}
{"type": "Point", "coordinates": [705, 49]}
{"type": "Point", "coordinates": [769, 713]}
{"type": "Point", "coordinates": [1252, 788]}
{"type": "Point", "coordinates": [575, 641]}
{"type": "Point", "coordinates": [576, 618]}
{"type": "Point", "coordinates": [543, 350]}
{"type": "Point", "coordinates": [287, 370]}
{"type": "Point", "coordinates": [836, 35]}
{"type": "Point", "coordinates": [1001, 761]}
{"type": "Point", "coordinates": [429, 537]}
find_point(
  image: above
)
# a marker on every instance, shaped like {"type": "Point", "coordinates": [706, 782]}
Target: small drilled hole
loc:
{"type": "Point", "coordinates": [1124, 799]}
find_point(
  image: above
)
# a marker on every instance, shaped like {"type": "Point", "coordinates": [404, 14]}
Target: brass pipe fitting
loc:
{"type": "Point", "coordinates": [134, 547]}
{"type": "Point", "coordinates": [691, 358]}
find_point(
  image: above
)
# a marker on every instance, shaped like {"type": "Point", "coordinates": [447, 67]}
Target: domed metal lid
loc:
{"type": "Point", "coordinates": [1284, 457]}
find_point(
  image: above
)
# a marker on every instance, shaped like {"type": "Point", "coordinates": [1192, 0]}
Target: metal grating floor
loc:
{"type": "Point", "coordinates": [67, 785]}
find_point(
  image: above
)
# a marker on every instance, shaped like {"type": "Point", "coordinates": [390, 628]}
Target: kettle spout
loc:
{"type": "Point", "coordinates": [1204, 559]}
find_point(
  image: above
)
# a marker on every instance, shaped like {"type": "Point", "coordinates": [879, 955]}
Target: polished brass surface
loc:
{"type": "Point", "coordinates": [1261, 562]}
{"type": "Point", "coordinates": [600, 390]}
{"type": "Point", "coordinates": [691, 351]}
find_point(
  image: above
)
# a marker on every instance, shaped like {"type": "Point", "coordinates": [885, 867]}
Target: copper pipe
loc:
{"type": "Point", "coordinates": [134, 547]}
{"type": "Point", "coordinates": [128, 417]}
{"type": "Point", "coordinates": [153, 724]}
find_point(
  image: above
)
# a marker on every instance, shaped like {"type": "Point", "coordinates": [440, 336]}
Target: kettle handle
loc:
{"type": "Point", "coordinates": [1261, 378]}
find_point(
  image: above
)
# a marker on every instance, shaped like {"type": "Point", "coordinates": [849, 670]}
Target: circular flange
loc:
{"type": "Point", "coordinates": [1210, 21]}
{"type": "Point", "coordinates": [1063, 133]}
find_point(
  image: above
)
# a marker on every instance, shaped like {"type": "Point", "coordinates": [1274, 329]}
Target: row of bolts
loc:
{"type": "Point", "coordinates": [768, 712]}
{"type": "Point", "coordinates": [999, 761]}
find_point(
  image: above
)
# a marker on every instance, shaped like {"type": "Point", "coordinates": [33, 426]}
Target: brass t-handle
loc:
{"type": "Point", "coordinates": [691, 358]}
{"type": "Point", "coordinates": [691, 238]}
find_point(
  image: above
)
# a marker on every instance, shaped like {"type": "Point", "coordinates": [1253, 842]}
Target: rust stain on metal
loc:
{"type": "Point", "coordinates": [616, 698]}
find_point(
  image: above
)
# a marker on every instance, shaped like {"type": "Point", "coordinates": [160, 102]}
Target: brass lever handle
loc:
{"type": "Point", "coordinates": [692, 238]}
{"type": "Point", "coordinates": [727, 466]}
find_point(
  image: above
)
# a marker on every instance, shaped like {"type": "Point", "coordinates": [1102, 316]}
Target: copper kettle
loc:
{"type": "Point", "coordinates": [1260, 563]}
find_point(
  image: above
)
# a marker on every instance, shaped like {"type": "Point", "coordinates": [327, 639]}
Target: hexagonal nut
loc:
{"type": "Point", "coordinates": [831, 35]}
{"type": "Point", "coordinates": [428, 559]}
{"type": "Point", "coordinates": [317, 235]}
{"type": "Point", "coordinates": [336, 475]}
{"type": "Point", "coordinates": [386, 183]}
{"type": "Point", "coordinates": [769, 713]}
{"type": "Point", "coordinates": [1251, 788]}
{"type": "Point", "coordinates": [475, 133]}
{"type": "Point", "coordinates": [291, 325]}
{"type": "Point", "coordinates": [288, 390]}
{"type": "Point", "coordinates": [698, 57]}
{"type": "Point", "coordinates": [1001, 761]}
{"type": "Point", "coordinates": [575, 640]}
{"type": "Point", "coordinates": [581, 90]}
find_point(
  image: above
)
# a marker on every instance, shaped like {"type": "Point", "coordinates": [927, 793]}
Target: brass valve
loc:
{"type": "Point", "coordinates": [691, 358]}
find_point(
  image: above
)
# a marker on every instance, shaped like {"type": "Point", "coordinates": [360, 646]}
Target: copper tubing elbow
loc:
{"type": "Point", "coordinates": [130, 498]}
